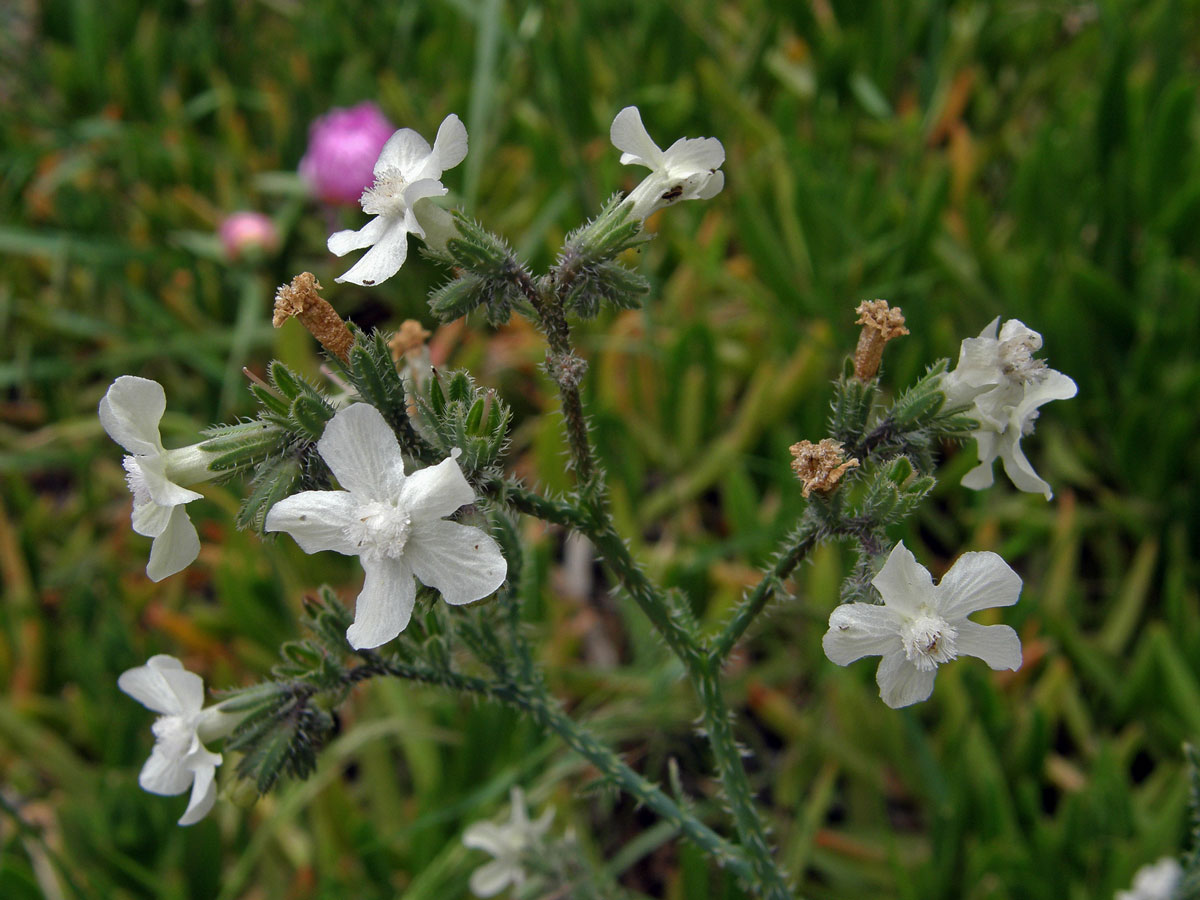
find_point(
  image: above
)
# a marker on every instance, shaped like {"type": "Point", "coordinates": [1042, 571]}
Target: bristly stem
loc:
{"type": "Point", "coordinates": [800, 544]}
{"type": "Point", "coordinates": [770, 881]}
{"type": "Point", "coordinates": [547, 713]}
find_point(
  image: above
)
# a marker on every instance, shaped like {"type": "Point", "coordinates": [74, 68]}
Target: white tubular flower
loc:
{"type": "Point", "coordinates": [179, 759]}
{"type": "Point", "coordinates": [130, 413]}
{"type": "Point", "coordinates": [407, 170]}
{"type": "Point", "coordinates": [687, 170]}
{"type": "Point", "coordinates": [508, 843]}
{"type": "Point", "coordinates": [1005, 385]}
{"type": "Point", "coordinates": [919, 626]}
{"type": "Point", "coordinates": [394, 523]}
{"type": "Point", "coordinates": [1154, 882]}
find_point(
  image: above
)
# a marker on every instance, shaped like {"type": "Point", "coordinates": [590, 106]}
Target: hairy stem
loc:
{"type": "Point", "coordinates": [522, 499]}
{"type": "Point", "coordinates": [769, 881]}
{"type": "Point", "coordinates": [546, 712]}
{"type": "Point", "coordinates": [805, 538]}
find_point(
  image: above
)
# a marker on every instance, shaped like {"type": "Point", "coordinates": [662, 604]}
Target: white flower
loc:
{"type": "Point", "coordinates": [393, 523]}
{"type": "Point", "coordinates": [179, 759]}
{"type": "Point", "coordinates": [1004, 385]}
{"type": "Point", "coordinates": [687, 170]}
{"type": "Point", "coordinates": [920, 626]}
{"type": "Point", "coordinates": [407, 170]}
{"type": "Point", "coordinates": [130, 413]}
{"type": "Point", "coordinates": [508, 843]}
{"type": "Point", "coordinates": [1154, 882]}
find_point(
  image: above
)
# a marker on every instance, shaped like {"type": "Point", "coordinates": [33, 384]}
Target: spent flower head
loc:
{"type": "Point", "coordinates": [343, 145]}
{"type": "Point", "coordinates": [393, 522]}
{"type": "Point", "coordinates": [690, 169]}
{"type": "Point", "coordinates": [1002, 385]}
{"type": "Point", "coordinates": [508, 843]}
{"type": "Point", "coordinates": [820, 466]}
{"type": "Point", "coordinates": [130, 412]}
{"type": "Point", "coordinates": [179, 759]}
{"type": "Point", "coordinates": [919, 625]}
{"type": "Point", "coordinates": [880, 324]}
{"type": "Point", "coordinates": [407, 170]}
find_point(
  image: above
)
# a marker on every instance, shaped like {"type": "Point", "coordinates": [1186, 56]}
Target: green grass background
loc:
{"type": "Point", "coordinates": [964, 160]}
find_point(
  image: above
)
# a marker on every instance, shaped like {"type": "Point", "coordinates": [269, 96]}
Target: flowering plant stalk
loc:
{"type": "Point", "coordinates": [402, 467]}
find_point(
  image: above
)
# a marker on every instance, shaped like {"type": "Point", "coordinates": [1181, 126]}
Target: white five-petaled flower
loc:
{"type": "Point", "coordinates": [919, 626]}
{"type": "Point", "coordinates": [1154, 882]}
{"type": "Point", "coordinates": [508, 843]}
{"type": "Point", "coordinates": [1004, 385]}
{"type": "Point", "coordinates": [407, 170]}
{"type": "Point", "coordinates": [179, 759]}
{"type": "Point", "coordinates": [393, 522]}
{"type": "Point", "coordinates": [690, 169]}
{"type": "Point", "coordinates": [130, 413]}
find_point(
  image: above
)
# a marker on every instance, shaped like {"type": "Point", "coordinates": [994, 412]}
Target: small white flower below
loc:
{"type": "Point", "coordinates": [508, 843]}
{"type": "Point", "coordinates": [407, 170]}
{"type": "Point", "coordinates": [393, 522]}
{"type": "Point", "coordinates": [999, 382]}
{"type": "Point", "coordinates": [919, 626]}
{"type": "Point", "coordinates": [130, 412]}
{"type": "Point", "coordinates": [179, 759]}
{"type": "Point", "coordinates": [1154, 882]}
{"type": "Point", "coordinates": [690, 169]}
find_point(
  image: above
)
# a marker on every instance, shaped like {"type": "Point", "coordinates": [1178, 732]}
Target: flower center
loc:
{"type": "Point", "coordinates": [386, 196]}
{"type": "Point", "coordinates": [380, 530]}
{"type": "Point", "coordinates": [174, 734]}
{"type": "Point", "coordinates": [136, 479]}
{"type": "Point", "coordinates": [1017, 362]}
{"type": "Point", "coordinates": [928, 640]}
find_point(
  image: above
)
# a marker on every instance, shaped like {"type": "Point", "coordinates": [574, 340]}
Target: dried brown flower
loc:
{"type": "Point", "coordinates": [411, 336]}
{"type": "Point", "coordinates": [301, 301]}
{"type": "Point", "coordinates": [880, 325]}
{"type": "Point", "coordinates": [820, 466]}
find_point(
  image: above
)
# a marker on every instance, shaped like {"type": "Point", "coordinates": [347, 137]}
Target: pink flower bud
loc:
{"type": "Point", "coordinates": [343, 145]}
{"type": "Point", "coordinates": [248, 232]}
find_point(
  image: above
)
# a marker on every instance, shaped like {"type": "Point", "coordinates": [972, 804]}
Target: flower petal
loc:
{"type": "Point", "coordinates": [450, 145]}
{"type": "Point", "coordinates": [385, 604]}
{"type": "Point", "coordinates": [362, 451]}
{"type": "Point", "coordinates": [860, 629]}
{"type": "Point", "coordinates": [383, 260]}
{"type": "Point", "coordinates": [493, 877]}
{"type": "Point", "coordinates": [146, 685]}
{"type": "Point", "coordinates": [903, 582]}
{"type": "Point", "coordinates": [996, 645]}
{"type": "Point", "coordinates": [164, 775]}
{"type": "Point", "coordinates": [342, 242]}
{"type": "Point", "coordinates": [977, 580]}
{"type": "Point", "coordinates": [175, 548]}
{"type": "Point", "coordinates": [689, 155]}
{"type": "Point", "coordinates": [988, 447]}
{"type": "Point", "coordinates": [188, 687]}
{"type": "Point", "coordinates": [486, 836]}
{"type": "Point", "coordinates": [204, 795]}
{"type": "Point", "coordinates": [436, 491]}
{"type": "Point", "coordinates": [151, 471]}
{"type": "Point", "coordinates": [711, 187]}
{"type": "Point", "coordinates": [629, 135]}
{"type": "Point", "coordinates": [901, 683]}
{"type": "Point", "coordinates": [1018, 468]}
{"type": "Point", "coordinates": [150, 519]}
{"type": "Point", "coordinates": [405, 150]}
{"type": "Point", "coordinates": [459, 560]}
{"type": "Point", "coordinates": [317, 520]}
{"type": "Point", "coordinates": [130, 412]}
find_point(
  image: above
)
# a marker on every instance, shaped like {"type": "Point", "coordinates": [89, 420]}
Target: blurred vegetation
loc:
{"type": "Point", "coordinates": [964, 160]}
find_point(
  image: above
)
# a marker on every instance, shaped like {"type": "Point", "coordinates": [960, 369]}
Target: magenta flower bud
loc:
{"type": "Point", "coordinates": [343, 145]}
{"type": "Point", "coordinates": [246, 232]}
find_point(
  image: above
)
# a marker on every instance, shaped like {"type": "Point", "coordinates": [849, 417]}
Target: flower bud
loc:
{"type": "Point", "coordinates": [245, 233]}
